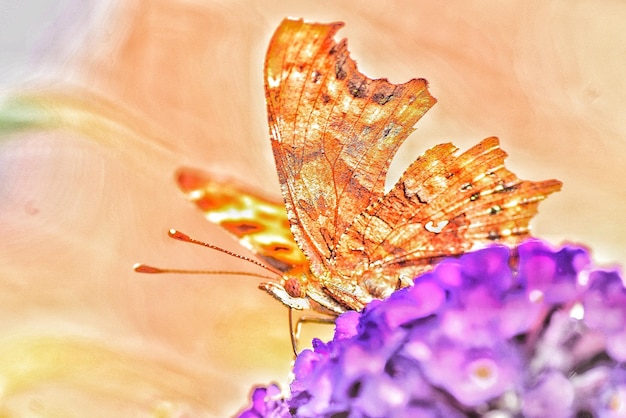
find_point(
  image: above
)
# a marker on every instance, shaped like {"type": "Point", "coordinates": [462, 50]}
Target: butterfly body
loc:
{"type": "Point", "coordinates": [339, 241]}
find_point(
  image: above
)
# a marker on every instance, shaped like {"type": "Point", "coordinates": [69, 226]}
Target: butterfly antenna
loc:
{"type": "Point", "coordinates": [173, 233]}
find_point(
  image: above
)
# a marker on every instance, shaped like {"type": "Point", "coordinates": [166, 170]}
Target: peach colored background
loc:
{"type": "Point", "coordinates": [182, 83]}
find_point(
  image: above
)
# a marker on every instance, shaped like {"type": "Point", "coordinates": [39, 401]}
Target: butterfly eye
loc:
{"type": "Point", "coordinates": [294, 288]}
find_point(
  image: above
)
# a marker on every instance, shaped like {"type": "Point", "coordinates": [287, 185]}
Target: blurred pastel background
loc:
{"type": "Point", "coordinates": [101, 101]}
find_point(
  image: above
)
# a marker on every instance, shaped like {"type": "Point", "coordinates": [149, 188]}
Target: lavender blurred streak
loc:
{"type": "Point", "coordinates": [39, 37]}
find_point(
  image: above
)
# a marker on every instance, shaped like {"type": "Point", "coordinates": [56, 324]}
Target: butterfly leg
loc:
{"type": "Point", "coordinates": [295, 330]}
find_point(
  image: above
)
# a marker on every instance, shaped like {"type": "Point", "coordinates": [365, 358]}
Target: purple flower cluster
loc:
{"type": "Point", "coordinates": [533, 332]}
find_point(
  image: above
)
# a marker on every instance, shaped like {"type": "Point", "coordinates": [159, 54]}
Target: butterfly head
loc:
{"type": "Point", "coordinates": [303, 291]}
{"type": "Point", "coordinates": [290, 293]}
{"type": "Point", "coordinates": [294, 287]}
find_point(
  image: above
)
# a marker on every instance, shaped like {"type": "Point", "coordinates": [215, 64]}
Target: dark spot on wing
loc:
{"type": "Point", "coordinates": [357, 88]}
{"type": "Point", "coordinates": [494, 235]}
{"type": "Point", "coordinates": [381, 98]}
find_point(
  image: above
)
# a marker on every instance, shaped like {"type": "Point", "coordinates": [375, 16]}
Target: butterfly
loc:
{"type": "Point", "coordinates": [338, 241]}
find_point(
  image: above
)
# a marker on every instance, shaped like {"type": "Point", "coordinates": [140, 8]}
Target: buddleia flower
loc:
{"type": "Point", "coordinates": [532, 331]}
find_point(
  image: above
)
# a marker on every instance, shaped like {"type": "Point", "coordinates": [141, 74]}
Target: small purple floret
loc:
{"type": "Point", "coordinates": [266, 403]}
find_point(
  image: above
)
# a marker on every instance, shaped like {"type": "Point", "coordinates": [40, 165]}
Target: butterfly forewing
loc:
{"type": "Point", "coordinates": [333, 132]}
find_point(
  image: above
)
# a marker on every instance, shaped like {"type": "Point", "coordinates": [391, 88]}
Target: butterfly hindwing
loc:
{"type": "Point", "coordinates": [443, 204]}
{"type": "Point", "coordinates": [259, 224]}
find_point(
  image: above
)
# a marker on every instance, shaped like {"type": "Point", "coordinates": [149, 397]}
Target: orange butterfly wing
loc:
{"type": "Point", "coordinates": [259, 224]}
{"type": "Point", "coordinates": [334, 133]}
{"type": "Point", "coordinates": [443, 205]}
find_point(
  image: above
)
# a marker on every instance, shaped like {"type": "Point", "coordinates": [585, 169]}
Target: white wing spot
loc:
{"type": "Point", "coordinates": [196, 194]}
{"type": "Point", "coordinates": [273, 82]}
{"type": "Point", "coordinates": [435, 229]}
